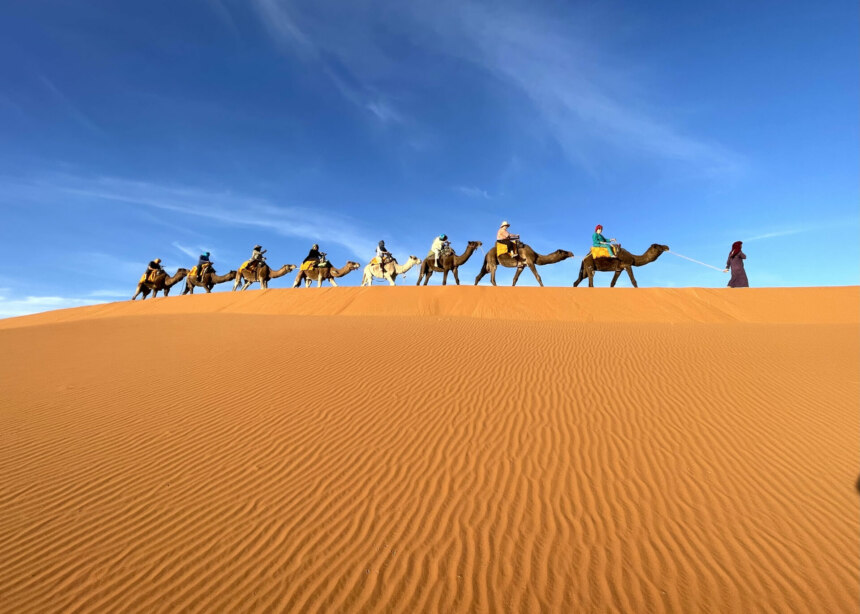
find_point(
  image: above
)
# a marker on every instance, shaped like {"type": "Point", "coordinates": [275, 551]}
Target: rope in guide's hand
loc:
{"type": "Point", "coordinates": [696, 261]}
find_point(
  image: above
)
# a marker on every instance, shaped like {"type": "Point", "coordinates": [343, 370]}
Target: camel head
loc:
{"type": "Point", "coordinates": [659, 248]}
{"type": "Point", "coordinates": [564, 254]}
{"type": "Point", "coordinates": [414, 260]}
{"type": "Point", "coordinates": [352, 266]}
{"type": "Point", "coordinates": [182, 272]}
{"type": "Point", "coordinates": [475, 244]}
{"type": "Point", "coordinates": [290, 267]}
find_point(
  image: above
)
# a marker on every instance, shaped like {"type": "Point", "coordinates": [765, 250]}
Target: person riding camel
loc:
{"type": "Point", "coordinates": [382, 254]}
{"type": "Point", "coordinates": [257, 257]}
{"type": "Point", "coordinates": [313, 258]}
{"type": "Point", "coordinates": [152, 268]}
{"type": "Point", "coordinates": [598, 240]}
{"type": "Point", "coordinates": [440, 243]}
{"type": "Point", "coordinates": [202, 262]}
{"type": "Point", "coordinates": [507, 239]}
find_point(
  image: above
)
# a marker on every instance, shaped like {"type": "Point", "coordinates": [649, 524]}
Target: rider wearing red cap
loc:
{"type": "Point", "coordinates": [598, 240]}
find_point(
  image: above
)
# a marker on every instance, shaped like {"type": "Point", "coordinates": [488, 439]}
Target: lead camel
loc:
{"type": "Point", "coordinates": [625, 261]}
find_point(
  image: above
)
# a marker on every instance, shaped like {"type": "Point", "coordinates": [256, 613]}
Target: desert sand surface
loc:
{"type": "Point", "coordinates": [435, 449]}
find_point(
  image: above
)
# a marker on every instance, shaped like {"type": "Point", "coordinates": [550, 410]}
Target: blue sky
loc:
{"type": "Point", "coordinates": [130, 131]}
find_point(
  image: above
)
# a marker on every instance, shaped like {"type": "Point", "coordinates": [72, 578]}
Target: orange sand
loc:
{"type": "Point", "coordinates": [434, 449]}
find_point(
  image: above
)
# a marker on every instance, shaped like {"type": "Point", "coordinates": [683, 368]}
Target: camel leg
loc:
{"type": "Point", "coordinates": [319, 281]}
{"type": "Point", "coordinates": [427, 277]}
{"type": "Point", "coordinates": [590, 277]}
{"type": "Point", "coordinates": [492, 275]}
{"type": "Point", "coordinates": [632, 279]}
{"type": "Point", "coordinates": [456, 277]}
{"type": "Point", "coordinates": [333, 282]}
{"type": "Point", "coordinates": [615, 278]}
{"type": "Point", "coordinates": [581, 276]}
{"type": "Point", "coordinates": [235, 283]}
{"type": "Point", "coordinates": [534, 271]}
{"type": "Point", "coordinates": [445, 277]}
{"type": "Point", "coordinates": [483, 271]}
{"type": "Point", "coordinates": [517, 275]}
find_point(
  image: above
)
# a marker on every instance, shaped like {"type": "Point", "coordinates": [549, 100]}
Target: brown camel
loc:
{"type": "Point", "coordinates": [320, 274]}
{"type": "Point", "coordinates": [624, 262]}
{"type": "Point", "coordinates": [162, 283]}
{"type": "Point", "coordinates": [526, 257]}
{"type": "Point", "coordinates": [207, 280]}
{"type": "Point", "coordinates": [448, 261]}
{"type": "Point", "coordinates": [262, 273]}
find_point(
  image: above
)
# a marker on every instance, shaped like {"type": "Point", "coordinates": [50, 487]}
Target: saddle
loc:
{"type": "Point", "coordinates": [149, 277]}
{"type": "Point", "coordinates": [194, 272]}
{"type": "Point", "coordinates": [603, 252]}
{"type": "Point", "coordinates": [502, 248]}
{"type": "Point", "coordinates": [385, 261]}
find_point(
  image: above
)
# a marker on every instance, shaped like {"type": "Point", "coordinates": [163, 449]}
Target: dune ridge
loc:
{"type": "Point", "coordinates": [423, 449]}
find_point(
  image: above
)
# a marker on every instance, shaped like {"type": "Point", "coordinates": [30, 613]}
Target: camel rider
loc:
{"type": "Point", "coordinates": [257, 257]}
{"type": "Point", "coordinates": [382, 253]}
{"type": "Point", "coordinates": [440, 243]}
{"type": "Point", "coordinates": [202, 262]}
{"type": "Point", "coordinates": [313, 258]}
{"type": "Point", "coordinates": [598, 240]}
{"type": "Point", "coordinates": [506, 238]}
{"type": "Point", "coordinates": [152, 268]}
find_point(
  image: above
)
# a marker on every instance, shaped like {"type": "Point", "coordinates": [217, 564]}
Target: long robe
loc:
{"type": "Point", "coordinates": [739, 275]}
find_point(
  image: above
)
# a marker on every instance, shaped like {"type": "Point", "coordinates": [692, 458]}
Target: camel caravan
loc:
{"type": "Point", "coordinates": [606, 255]}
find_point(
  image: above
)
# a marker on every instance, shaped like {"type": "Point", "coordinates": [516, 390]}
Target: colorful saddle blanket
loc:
{"type": "Point", "coordinates": [193, 271]}
{"type": "Point", "coordinates": [245, 265]}
{"type": "Point", "coordinates": [501, 248]}
{"type": "Point", "coordinates": [375, 261]}
{"type": "Point", "coordinates": [600, 252]}
{"type": "Point", "coordinates": [150, 277]}
{"type": "Point", "coordinates": [307, 265]}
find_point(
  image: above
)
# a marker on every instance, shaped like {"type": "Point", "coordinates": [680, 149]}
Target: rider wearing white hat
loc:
{"type": "Point", "coordinates": [506, 238]}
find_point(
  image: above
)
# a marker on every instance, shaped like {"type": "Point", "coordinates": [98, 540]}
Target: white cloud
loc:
{"type": "Point", "coordinates": [188, 251]}
{"type": "Point", "coordinates": [595, 105]}
{"type": "Point", "coordinates": [226, 209]}
{"type": "Point", "coordinates": [472, 192]}
{"type": "Point", "coordinates": [35, 304]}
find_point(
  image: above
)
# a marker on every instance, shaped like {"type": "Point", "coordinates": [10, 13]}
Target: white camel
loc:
{"type": "Point", "coordinates": [392, 270]}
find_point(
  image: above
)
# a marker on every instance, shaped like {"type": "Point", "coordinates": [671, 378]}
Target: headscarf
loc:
{"type": "Point", "coordinates": [736, 247]}
{"type": "Point", "coordinates": [598, 228]}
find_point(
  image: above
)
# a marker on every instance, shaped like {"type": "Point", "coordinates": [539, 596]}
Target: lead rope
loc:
{"type": "Point", "coordinates": [696, 261]}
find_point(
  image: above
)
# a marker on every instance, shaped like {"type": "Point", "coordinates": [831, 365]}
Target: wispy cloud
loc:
{"type": "Point", "coordinates": [191, 253]}
{"type": "Point", "coordinates": [70, 108]}
{"type": "Point", "coordinates": [592, 102]}
{"type": "Point", "coordinates": [472, 192]}
{"type": "Point", "coordinates": [282, 21]}
{"type": "Point", "coordinates": [778, 233]}
{"type": "Point", "coordinates": [226, 209]}
{"type": "Point", "coordinates": [10, 307]}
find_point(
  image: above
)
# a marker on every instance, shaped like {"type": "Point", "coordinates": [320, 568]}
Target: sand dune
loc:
{"type": "Point", "coordinates": [434, 449]}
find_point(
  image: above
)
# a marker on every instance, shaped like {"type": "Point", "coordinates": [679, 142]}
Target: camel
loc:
{"type": "Point", "coordinates": [162, 283]}
{"type": "Point", "coordinates": [448, 261]}
{"type": "Point", "coordinates": [262, 273]}
{"type": "Point", "coordinates": [207, 280]}
{"type": "Point", "coordinates": [624, 262]}
{"type": "Point", "coordinates": [390, 272]}
{"type": "Point", "coordinates": [320, 274]}
{"type": "Point", "coordinates": [526, 257]}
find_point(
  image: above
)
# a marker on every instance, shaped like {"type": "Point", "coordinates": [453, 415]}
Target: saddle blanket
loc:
{"type": "Point", "coordinates": [193, 271]}
{"type": "Point", "coordinates": [600, 252]}
{"type": "Point", "coordinates": [501, 249]}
